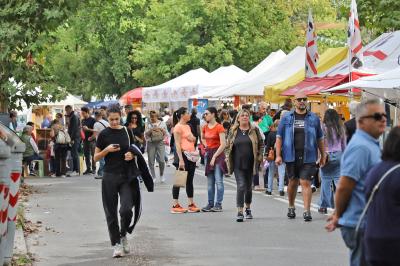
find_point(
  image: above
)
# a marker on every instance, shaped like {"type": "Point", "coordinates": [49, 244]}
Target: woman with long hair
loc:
{"type": "Point", "coordinates": [382, 231]}
{"type": "Point", "coordinates": [244, 152]}
{"type": "Point", "coordinates": [120, 184]}
{"type": "Point", "coordinates": [213, 138]}
{"type": "Point", "coordinates": [134, 122]}
{"type": "Point", "coordinates": [184, 144]}
{"type": "Point", "coordinates": [335, 143]}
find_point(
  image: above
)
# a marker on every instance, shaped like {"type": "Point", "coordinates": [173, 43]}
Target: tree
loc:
{"type": "Point", "coordinates": [90, 53]}
{"type": "Point", "coordinates": [24, 26]}
{"type": "Point", "coordinates": [183, 35]}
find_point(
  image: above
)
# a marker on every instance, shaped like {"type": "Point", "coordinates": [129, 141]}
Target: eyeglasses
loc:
{"type": "Point", "coordinates": [375, 116]}
{"type": "Point", "coordinates": [301, 99]}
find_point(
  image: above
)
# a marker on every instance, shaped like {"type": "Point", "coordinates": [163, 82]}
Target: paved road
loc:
{"type": "Point", "coordinates": [74, 230]}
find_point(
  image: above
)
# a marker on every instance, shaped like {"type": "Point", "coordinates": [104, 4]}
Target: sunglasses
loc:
{"type": "Point", "coordinates": [301, 99]}
{"type": "Point", "coordinates": [375, 116]}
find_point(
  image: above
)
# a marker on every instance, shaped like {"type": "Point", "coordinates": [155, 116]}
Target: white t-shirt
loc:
{"type": "Point", "coordinates": [100, 126]}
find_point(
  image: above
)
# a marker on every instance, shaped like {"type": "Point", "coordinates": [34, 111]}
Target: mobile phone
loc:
{"type": "Point", "coordinates": [116, 145]}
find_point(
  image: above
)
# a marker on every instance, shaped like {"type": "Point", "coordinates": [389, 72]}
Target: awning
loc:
{"type": "Point", "coordinates": [312, 86]}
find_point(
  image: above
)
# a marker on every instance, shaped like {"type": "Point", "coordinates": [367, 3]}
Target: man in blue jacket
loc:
{"type": "Point", "coordinates": [298, 140]}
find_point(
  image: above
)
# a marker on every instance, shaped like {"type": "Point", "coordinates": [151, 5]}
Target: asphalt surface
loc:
{"type": "Point", "coordinates": [73, 229]}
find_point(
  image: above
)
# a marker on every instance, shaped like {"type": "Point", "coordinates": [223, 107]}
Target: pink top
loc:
{"type": "Point", "coordinates": [185, 132]}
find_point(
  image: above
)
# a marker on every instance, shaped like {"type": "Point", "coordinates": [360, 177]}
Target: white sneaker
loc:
{"type": "Point", "coordinates": [154, 180]}
{"type": "Point", "coordinates": [118, 251]}
{"type": "Point", "coordinates": [125, 245]}
{"type": "Point", "coordinates": [163, 179]}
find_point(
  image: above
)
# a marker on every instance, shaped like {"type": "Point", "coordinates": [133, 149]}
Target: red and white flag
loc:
{"type": "Point", "coordinates": [311, 48]}
{"type": "Point", "coordinates": [354, 38]}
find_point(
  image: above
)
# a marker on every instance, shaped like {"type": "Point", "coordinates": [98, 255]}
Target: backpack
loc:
{"type": "Point", "coordinates": [63, 137]}
{"type": "Point", "coordinates": [156, 136]}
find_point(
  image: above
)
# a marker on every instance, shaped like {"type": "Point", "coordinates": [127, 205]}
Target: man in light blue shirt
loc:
{"type": "Point", "coordinates": [362, 153]}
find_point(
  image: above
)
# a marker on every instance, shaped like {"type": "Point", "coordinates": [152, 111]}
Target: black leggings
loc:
{"type": "Point", "coordinates": [190, 167]}
{"type": "Point", "coordinates": [112, 186]}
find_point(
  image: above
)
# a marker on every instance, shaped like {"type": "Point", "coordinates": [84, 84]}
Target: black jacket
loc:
{"type": "Point", "coordinates": [137, 171]}
{"type": "Point", "coordinates": [74, 130]}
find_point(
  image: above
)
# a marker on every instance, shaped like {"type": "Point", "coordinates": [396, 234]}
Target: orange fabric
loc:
{"type": "Point", "coordinates": [212, 135]}
{"type": "Point", "coordinates": [185, 132]}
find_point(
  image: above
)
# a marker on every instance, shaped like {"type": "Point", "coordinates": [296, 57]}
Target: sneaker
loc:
{"type": "Point", "coordinates": [323, 210]}
{"type": "Point", "coordinates": [125, 245]}
{"type": "Point", "coordinates": [154, 180]}
{"type": "Point", "coordinates": [163, 179]}
{"type": "Point", "coordinates": [63, 176]}
{"type": "Point", "coordinates": [217, 208]}
{"type": "Point", "coordinates": [291, 213]}
{"type": "Point", "coordinates": [248, 214]}
{"type": "Point", "coordinates": [239, 217]}
{"type": "Point", "coordinates": [178, 209]}
{"type": "Point", "coordinates": [87, 172]}
{"type": "Point", "coordinates": [73, 174]}
{"type": "Point", "coordinates": [98, 177]}
{"type": "Point", "coordinates": [93, 172]}
{"type": "Point", "coordinates": [281, 193]}
{"type": "Point", "coordinates": [193, 208]}
{"type": "Point", "coordinates": [207, 208]}
{"type": "Point", "coordinates": [118, 251]}
{"type": "Point", "coordinates": [268, 192]}
{"type": "Point", "coordinates": [53, 175]}
{"type": "Point", "coordinates": [307, 216]}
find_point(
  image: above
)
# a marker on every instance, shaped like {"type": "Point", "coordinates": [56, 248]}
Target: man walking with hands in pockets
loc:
{"type": "Point", "coordinates": [298, 140]}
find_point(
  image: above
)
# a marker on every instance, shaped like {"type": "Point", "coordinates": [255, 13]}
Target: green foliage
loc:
{"type": "Point", "coordinates": [379, 16]}
{"type": "Point", "coordinates": [23, 29]}
{"type": "Point", "coordinates": [89, 54]}
{"type": "Point", "coordinates": [183, 35]}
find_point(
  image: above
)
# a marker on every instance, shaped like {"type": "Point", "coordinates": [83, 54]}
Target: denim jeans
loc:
{"type": "Point", "coordinates": [156, 150]}
{"type": "Point", "coordinates": [281, 174]}
{"type": "Point", "coordinates": [329, 173]}
{"type": "Point", "coordinates": [355, 244]}
{"type": "Point", "coordinates": [102, 162]}
{"type": "Point", "coordinates": [215, 179]}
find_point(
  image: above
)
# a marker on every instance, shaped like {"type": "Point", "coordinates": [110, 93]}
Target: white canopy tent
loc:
{"type": "Point", "coordinates": [254, 84]}
{"type": "Point", "coordinates": [380, 55]}
{"type": "Point", "coordinates": [386, 85]}
{"type": "Point", "coordinates": [271, 60]}
{"type": "Point", "coordinates": [178, 89]}
{"type": "Point", "coordinates": [221, 77]}
{"type": "Point", "coordinates": [72, 100]}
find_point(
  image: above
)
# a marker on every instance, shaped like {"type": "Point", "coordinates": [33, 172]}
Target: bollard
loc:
{"type": "Point", "coordinates": [4, 174]}
{"type": "Point", "coordinates": [15, 164]}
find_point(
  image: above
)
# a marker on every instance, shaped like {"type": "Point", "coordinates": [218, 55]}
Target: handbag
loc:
{"type": "Point", "coordinates": [192, 156]}
{"type": "Point", "coordinates": [180, 178]}
{"type": "Point", "coordinates": [271, 155]}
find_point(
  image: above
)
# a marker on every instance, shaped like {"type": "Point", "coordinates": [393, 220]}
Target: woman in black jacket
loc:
{"type": "Point", "coordinates": [124, 165]}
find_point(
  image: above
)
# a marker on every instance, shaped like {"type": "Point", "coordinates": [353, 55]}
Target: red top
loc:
{"type": "Point", "coordinates": [212, 135]}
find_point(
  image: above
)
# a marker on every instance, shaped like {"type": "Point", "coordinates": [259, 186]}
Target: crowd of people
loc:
{"type": "Point", "coordinates": [293, 145]}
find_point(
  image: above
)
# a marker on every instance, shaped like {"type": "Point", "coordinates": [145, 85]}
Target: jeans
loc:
{"type": "Point", "coordinates": [244, 192]}
{"type": "Point", "coordinates": [281, 174]}
{"type": "Point", "coordinates": [215, 178]}
{"type": "Point", "coordinates": [153, 149]}
{"type": "Point", "coordinates": [329, 173]}
{"type": "Point", "coordinates": [256, 177]}
{"type": "Point", "coordinates": [75, 155]}
{"type": "Point", "coordinates": [355, 244]}
{"type": "Point", "coordinates": [88, 152]}
{"type": "Point", "coordinates": [102, 162]}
